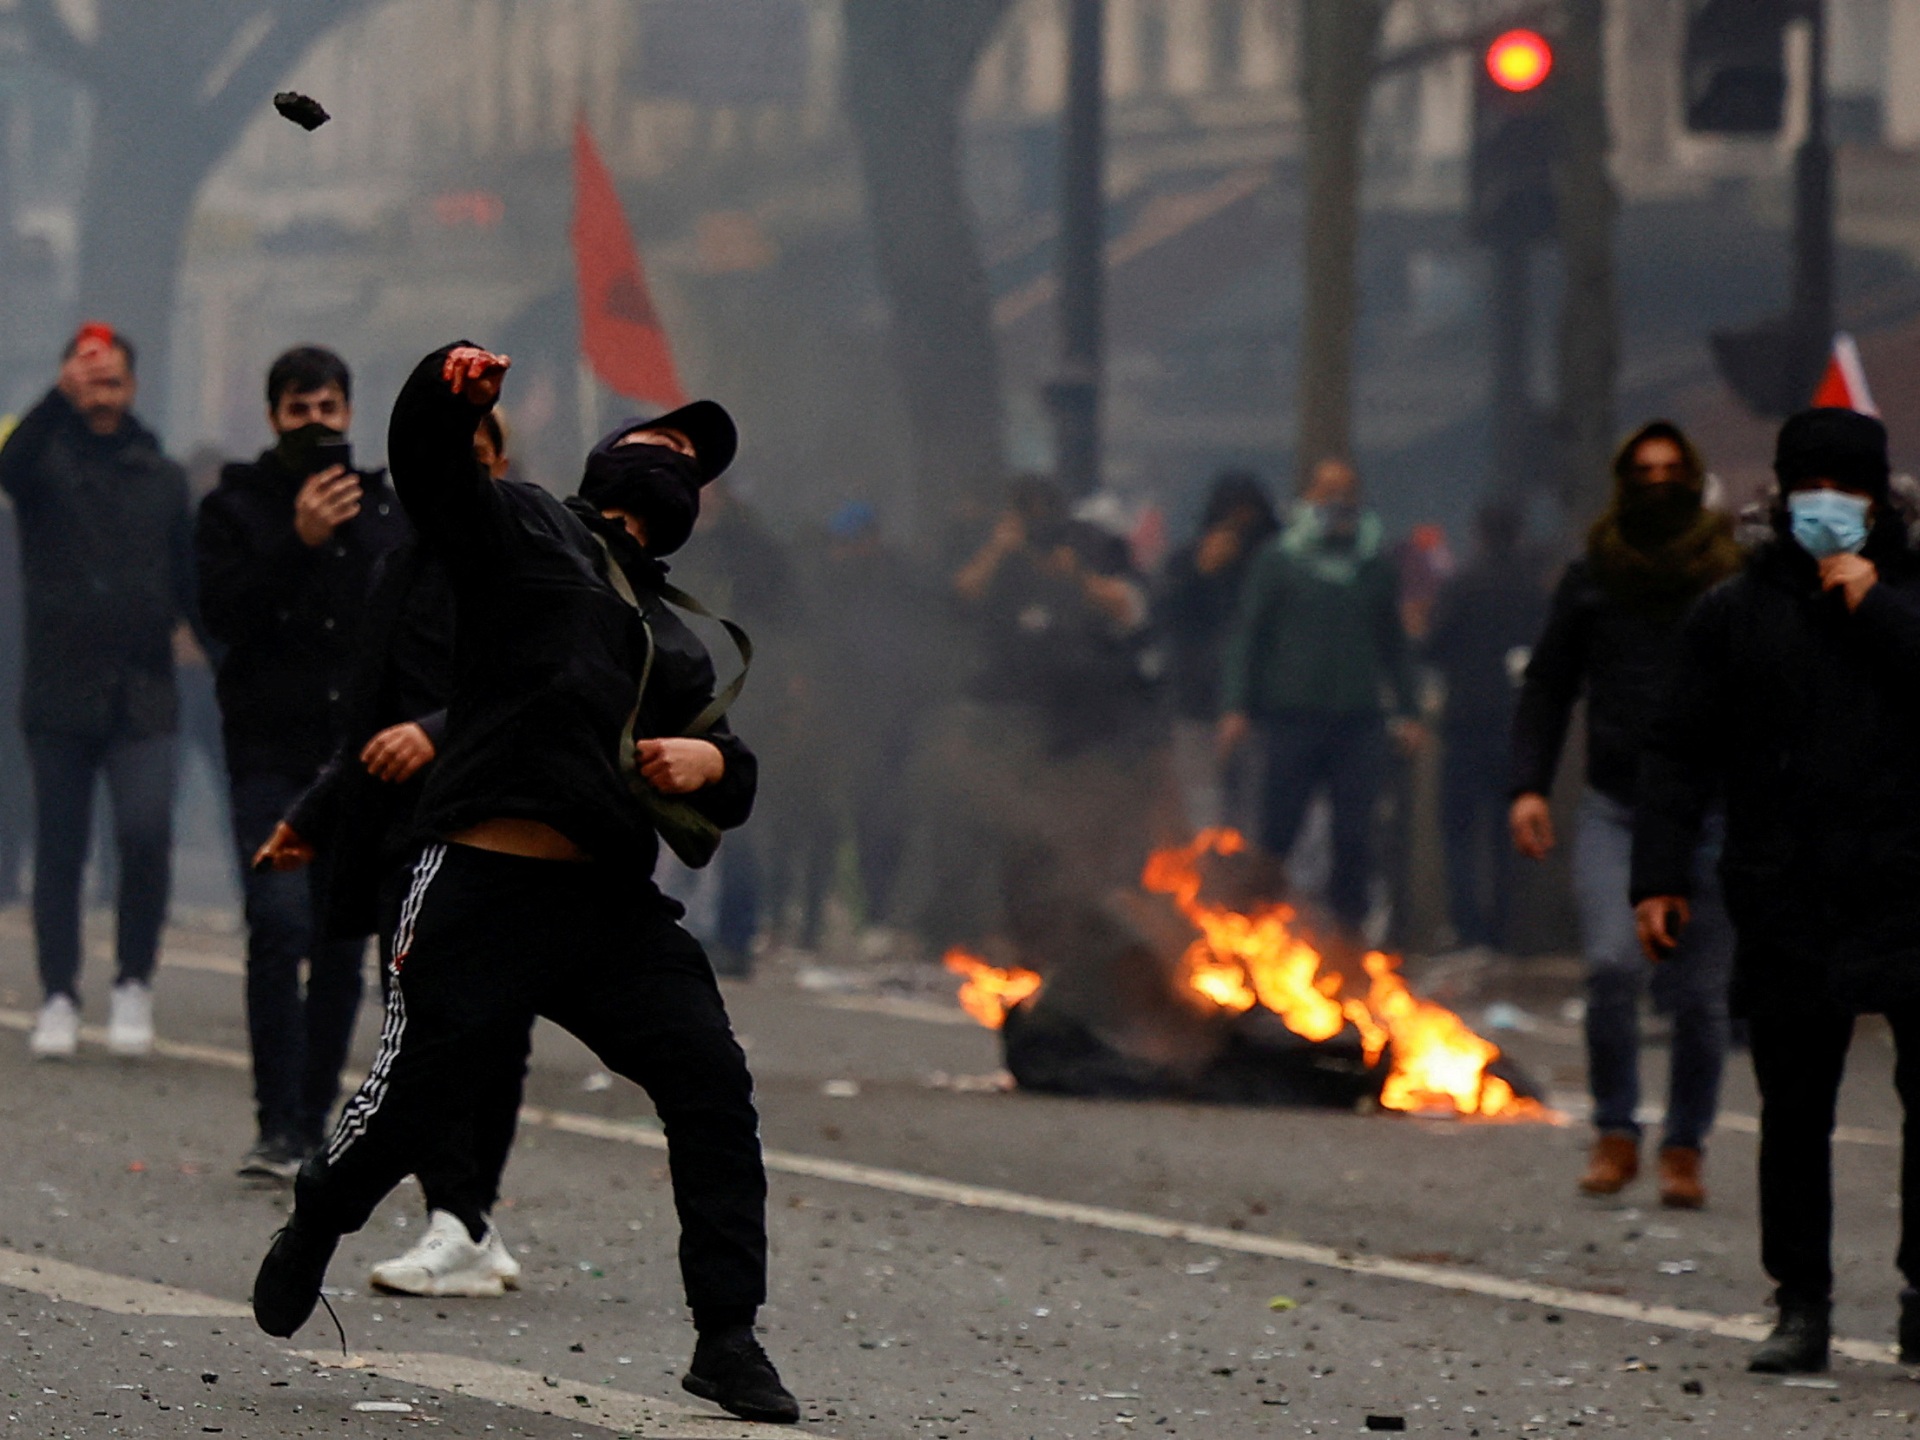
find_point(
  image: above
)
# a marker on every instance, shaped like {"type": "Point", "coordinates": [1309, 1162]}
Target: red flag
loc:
{"type": "Point", "coordinates": [620, 331]}
{"type": "Point", "coordinates": [1844, 386]}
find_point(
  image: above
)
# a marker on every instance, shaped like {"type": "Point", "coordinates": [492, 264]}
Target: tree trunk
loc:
{"type": "Point", "coordinates": [905, 88]}
{"type": "Point", "coordinates": [1589, 317]}
{"type": "Point", "coordinates": [135, 207]}
{"type": "Point", "coordinates": [1336, 71]}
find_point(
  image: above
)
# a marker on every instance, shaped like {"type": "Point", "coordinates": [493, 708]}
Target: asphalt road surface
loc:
{"type": "Point", "coordinates": [948, 1260]}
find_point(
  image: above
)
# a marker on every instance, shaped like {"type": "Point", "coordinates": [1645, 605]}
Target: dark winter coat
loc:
{"type": "Point", "coordinates": [1615, 652]}
{"type": "Point", "coordinates": [547, 657]}
{"type": "Point", "coordinates": [1196, 611]}
{"type": "Point", "coordinates": [286, 614]}
{"type": "Point", "coordinates": [1486, 613]}
{"type": "Point", "coordinates": [403, 673]}
{"type": "Point", "coordinates": [1807, 718]}
{"type": "Point", "coordinates": [107, 573]}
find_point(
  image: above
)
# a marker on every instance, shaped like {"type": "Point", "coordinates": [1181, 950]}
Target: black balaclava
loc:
{"type": "Point", "coordinates": [659, 485]}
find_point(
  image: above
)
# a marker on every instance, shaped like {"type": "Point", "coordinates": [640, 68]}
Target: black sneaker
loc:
{"type": "Point", "coordinates": [1910, 1326]}
{"type": "Point", "coordinates": [288, 1285]}
{"type": "Point", "coordinates": [274, 1158]}
{"type": "Point", "coordinates": [730, 1369]}
{"type": "Point", "coordinates": [1799, 1342]}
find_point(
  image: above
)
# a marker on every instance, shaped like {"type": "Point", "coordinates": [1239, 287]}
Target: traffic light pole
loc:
{"type": "Point", "coordinates": [1513, 418]}
{"type": "Point", "coordinates": [1813, 219]}
{"type": "Point", "coordinates": [1074, 394]}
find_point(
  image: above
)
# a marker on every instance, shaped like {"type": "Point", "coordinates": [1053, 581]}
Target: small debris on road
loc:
{"type": "Point", "coordinates": [1283, 1302]}
{"type": "Point", "coordinates": [840, 1089]}
{"type": "Point", "coordinates": [1386, 1422]}
{"type": "Point", "coordinates": [383, 1407]}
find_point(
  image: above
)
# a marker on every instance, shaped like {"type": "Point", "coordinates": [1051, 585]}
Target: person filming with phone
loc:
{"type": "Point", "coordinates": [287, 545]}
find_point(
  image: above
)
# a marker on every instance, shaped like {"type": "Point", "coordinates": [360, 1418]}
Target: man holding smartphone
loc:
{"type": "Point", "coordinates": [287, 545]}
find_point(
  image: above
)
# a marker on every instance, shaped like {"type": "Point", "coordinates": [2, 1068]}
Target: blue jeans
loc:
{"type": "Point", "coordinates": [1693, 979]}
{"type": "Point", "coordinates": [1344, 754]}
{"type": "Point", "coordinates": [139, 776]}
{"type": "Point", "coordinates": [299, 1038]}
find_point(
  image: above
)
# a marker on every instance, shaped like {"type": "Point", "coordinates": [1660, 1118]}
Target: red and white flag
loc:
{"type": "Point", "coordinates": [1844, 386]}
{"type": "Point", "coordinates": [621, 335]}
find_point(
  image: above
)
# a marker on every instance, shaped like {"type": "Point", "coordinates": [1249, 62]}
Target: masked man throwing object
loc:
{"type": "Point", "coordinates": [574, 689]}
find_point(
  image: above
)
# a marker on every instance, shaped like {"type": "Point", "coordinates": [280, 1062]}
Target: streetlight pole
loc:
{"type": "Point", "coordinates": [1813, 220]}
{"type": "Point", "coordinates": [1074, 394]}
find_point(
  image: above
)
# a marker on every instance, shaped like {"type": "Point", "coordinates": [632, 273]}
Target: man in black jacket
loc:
{"type": "Point", "coordinates": [567, 739]}
{"type": "Point", "coordinates": [287, 545]}
{"type": "Point", "coordinates": [1796, 693]}
{"type": "Point", "coordinates": [360, 812]}
{"type": "Point", "coordinates": [107, 569]}
{"type": "Point", "coordinates": [1610, 634]}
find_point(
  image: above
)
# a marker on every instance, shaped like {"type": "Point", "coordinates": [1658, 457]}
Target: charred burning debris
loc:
{"type": "Point", "coordinates": [1201, 992]}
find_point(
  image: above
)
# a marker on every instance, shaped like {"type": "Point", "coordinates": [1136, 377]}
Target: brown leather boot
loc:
{"type": "Point", "coordinates": [1680, 1185]}
{"type": "Point", "coordinates": [1614, 1163]}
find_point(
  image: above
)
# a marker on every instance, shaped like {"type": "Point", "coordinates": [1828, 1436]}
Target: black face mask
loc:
{"type": "Point", "coordinates": [299, 449]}
{"type": "Point", "coordinates": [1653, 514]}
{"type": "Point", "coordinates": [659, 485]}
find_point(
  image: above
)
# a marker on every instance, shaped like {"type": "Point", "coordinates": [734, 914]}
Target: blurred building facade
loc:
{"type": "Point", "coordinates": [437, 203]}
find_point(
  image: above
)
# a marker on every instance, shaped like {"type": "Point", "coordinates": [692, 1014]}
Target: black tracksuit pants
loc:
{"type": "Point", "coordinates": [486, 942]}
{"type": "Point", "coordinates": [1799, 1058]}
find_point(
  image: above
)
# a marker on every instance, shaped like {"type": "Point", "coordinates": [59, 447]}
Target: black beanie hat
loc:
{"type": "Point", "coordinates": [1833, 444]}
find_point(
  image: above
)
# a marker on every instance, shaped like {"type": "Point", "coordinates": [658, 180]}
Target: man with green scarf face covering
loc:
{"type": "Point", "coordinates": [1316, 652]}
{"type": "Point", "coordinates": [1610, 635]}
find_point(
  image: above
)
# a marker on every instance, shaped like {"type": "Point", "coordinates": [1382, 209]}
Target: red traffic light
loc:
{"type": "Point", "coordinates": [1519, 60]}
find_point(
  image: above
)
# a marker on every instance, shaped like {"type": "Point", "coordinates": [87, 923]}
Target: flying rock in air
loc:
{"type": "Point", "coordinates": [303, 110]}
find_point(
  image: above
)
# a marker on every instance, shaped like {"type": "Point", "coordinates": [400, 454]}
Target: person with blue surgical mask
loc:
{"type": "Point", "coordinates": [1795, 699]}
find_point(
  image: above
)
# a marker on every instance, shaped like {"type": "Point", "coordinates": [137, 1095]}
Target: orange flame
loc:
{"type": "Point", "coordinates": [1240, 960]}
{"type": "Point", "coordinates": [988, 993]}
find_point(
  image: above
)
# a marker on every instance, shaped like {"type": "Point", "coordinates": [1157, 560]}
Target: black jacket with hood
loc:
{"type": "Point", "coordinates": [106, 550]}
{"type": "Point", "coordinates": [547, 657]}
{"type": "Point", "coordinates": [1612, 641]}
{"type": "Point", "coordinates": [286, 615]}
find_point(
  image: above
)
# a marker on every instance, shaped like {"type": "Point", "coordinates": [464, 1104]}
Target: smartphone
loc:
{"type": "Point", "coordinates": [331, 452]}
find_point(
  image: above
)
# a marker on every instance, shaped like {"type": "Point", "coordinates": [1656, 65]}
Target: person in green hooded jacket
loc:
{"type": "Point", "coordinates": [1319, 658]}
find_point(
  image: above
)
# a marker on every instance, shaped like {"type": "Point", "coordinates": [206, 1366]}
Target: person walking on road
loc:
{"type": "Point", "coordinates": [1610, 635]}
{"type": "Point", "coordinates": [287, 545]}
{"type": "Point", "coordinates": [1199, 597]}
{"type": "Point", "coordinates": [1796, 694]}
{"type": "Point", "coordinates": [582, 728]}
{"type": "Point", "coordinates": [1484, 626]}
{"type": "Point", "coordinates": [1316, 644]}
{"type": "Point", "coordinates": [107, 577]}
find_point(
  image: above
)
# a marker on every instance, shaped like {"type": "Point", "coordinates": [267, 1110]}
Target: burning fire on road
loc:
{"type": "Point", "coordinates": [1258, 961]}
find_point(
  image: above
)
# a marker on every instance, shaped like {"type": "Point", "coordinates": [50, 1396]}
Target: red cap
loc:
{"type": "Point", "coordinates": [96, 330]}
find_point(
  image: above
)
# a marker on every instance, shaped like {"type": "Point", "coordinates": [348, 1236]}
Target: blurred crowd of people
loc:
{"type": "Point", "coordinates": [976, 741]}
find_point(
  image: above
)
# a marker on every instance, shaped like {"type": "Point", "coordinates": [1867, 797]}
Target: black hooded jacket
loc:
{"type": "Point", "coordinates": [106, 548]}
{"type": "Point", "coordinates": [547, 657]}
{"type": "Point", "coordinates": [286, 614]}
{"type": "Point", "coordinates": [1807, 717]}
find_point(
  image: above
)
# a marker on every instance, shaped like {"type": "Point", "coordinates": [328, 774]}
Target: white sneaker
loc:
{"type": "Point", "coordinates": [130, 1020]}
{"type": "Point", "coordinates": [56, 1034]}
{"type": "Point", "coordinates": [445, 1262]}
{"type": "Point", "coordinates": [501, 1258]}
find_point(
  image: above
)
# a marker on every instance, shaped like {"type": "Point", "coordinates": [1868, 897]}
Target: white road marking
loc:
{"type": "Point", "coordinates": [57, 1280]}
{"type": "Point", "coordinates": [617, 1410]}
{"type": "Point", "coordinates": [1129, 1222]}
{"type": "Point", "coordinates": [635, 1415]}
